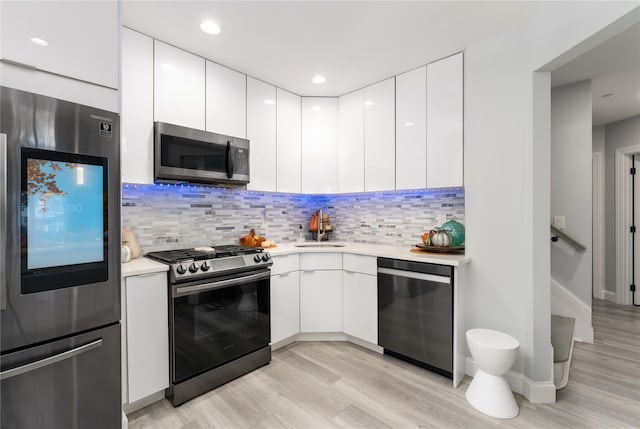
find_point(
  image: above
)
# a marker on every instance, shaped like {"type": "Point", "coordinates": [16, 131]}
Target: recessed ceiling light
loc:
{"type": "Point", "coordinates": [368, 103]}
{"type": "Point", "coordinates": [38, 41]}
{"type": "Point", "coordinates": [610, 94]}
{"type": "Point", "coordinates": [409, 124]}
{"type": "Point", "coordinates": [269, 101]}
{"type": "Point", "coordinates": [210, 27]}
{"type": "Point", "coordinates": [169, 67]}
{"type": "Point", "coordinates": [319, 79]}
{"type": "Point", "coordinates": [315, 108]}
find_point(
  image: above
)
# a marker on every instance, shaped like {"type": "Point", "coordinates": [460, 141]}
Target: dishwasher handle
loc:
{"type": "Point", "coordinates": [414, 275]}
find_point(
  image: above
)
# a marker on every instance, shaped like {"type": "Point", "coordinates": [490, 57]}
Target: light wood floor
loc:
{"type": "Point", "coordinates": [340, 385]}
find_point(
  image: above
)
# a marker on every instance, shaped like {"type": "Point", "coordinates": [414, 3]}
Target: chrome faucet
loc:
{"type": "Point", "coordinates": [321, 234]}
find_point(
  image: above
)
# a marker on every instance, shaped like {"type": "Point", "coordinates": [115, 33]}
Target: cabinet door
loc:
{"type": "Point", "coordinates": [379, 136]}
{"type": "Point", "coordinates": [147, 335]}
{"type": "Point", "coordinates": [285, 305]}
{"type": "Point", "coordinates": [289, 135]}
{"type": "Point", "coordinates": [411, 129]}
{"type": "Point", "coordinates": [321, 301]}
{"type": "Point", "coordinates": [137, 107]}
{"type": "Point", "coordinates": [82, 38]}
{"type": "Point", "coordinates": [351, 142]}
{"type": "Point", "coordinates": [261, 132]}
{"type": "Point", "coordinates": [360, 306]}
{"type": "Point", "coordinates": [226, 101]}
{"type": "Point", "coordinates": [319, 145]}
{"type": "Point", "coordinates": [179, 85]}
{"type": "Point", "coordinates": [444, 123]}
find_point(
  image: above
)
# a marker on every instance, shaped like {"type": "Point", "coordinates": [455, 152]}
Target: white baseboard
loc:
{"type": "Point", "coordinates": [565, 303]}
{"type": "Point", "coordinates": [537, 392]}
{"type": "Point", "coordinates": [609, 296]}
{"type": "Point", "coordinates": [336, 336]}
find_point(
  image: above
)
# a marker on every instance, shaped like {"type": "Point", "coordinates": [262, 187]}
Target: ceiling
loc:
{"type": "Point", "coordinates": [352, 43]}
{"type": "Point", "coordinates": [614, 68]}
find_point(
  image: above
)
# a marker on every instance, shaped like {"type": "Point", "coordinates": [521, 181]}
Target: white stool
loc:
{"type": "Point", "coordinates": [489, 392]}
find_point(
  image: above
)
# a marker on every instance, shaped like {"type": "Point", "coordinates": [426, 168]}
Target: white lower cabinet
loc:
{"type": "Point", "coordinates": [285, 305]}
{"type": "Point", "coordinates": [147, 335]}
{"type": "Point", "coordinates": [360, 306]}
{"type": "Point", "coordinates": [321, 300]}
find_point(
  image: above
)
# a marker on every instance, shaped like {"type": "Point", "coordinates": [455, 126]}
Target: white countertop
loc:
{"type": "Point", "coordinates": [370, 249]}
{"type": "Point", "coordinates": [142, 266]}
{"type": "Point", "coordinates": [146, 266]}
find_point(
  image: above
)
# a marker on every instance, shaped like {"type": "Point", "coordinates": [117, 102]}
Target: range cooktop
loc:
{"type": "Point", "coordinates": [201, 262]}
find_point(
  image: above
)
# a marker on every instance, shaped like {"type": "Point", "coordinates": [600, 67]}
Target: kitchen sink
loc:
{"type": "Point", "coordinates": [319, 245]}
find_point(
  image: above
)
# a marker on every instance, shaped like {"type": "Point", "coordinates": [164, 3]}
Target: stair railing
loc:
{"type": "Point", "coordinates": [557, 234]}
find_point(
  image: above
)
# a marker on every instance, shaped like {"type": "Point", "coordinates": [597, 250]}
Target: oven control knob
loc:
{"type": "Point", "coordinates": [193, 267]}
{"type": "Point", "coordinates": [265, 258]}
{"type": "Point", "coordinates": [181, 269]}
{"type": "Point", "coordinates": [205, 266]}
{"type": "Point", "coordinates": [256, 259]}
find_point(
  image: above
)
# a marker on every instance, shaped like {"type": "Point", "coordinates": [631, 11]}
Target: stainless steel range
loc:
{"type": "Point", "coordinates": [219, 316]}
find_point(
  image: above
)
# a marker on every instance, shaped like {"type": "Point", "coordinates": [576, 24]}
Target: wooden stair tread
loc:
{"type": "Point", "coordinates": [561, 337]}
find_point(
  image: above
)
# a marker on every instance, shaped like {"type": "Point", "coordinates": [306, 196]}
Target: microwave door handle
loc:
{"type": "Point", "coordinates": [229, 161]}
{"type": "Point", "coordinates": [3, 221]}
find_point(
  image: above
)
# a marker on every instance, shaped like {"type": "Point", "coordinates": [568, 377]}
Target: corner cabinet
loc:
{"type": "Point", "coordinates": [261, 132]}
{"type": "Point", "coordinates": [321, 292]}
{"type": "Point", "coordinates": [319, 145]}
{"type": "Point", "coordinates": [445, 122]}
{"type": "Point", "coordinates": [146, 327]}
{"type": "Point", "coordinates": [136, 135]}
{"type": "Point", "coordinates": [179, 87]}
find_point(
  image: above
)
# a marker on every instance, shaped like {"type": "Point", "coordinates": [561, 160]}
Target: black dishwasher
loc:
{"type": "Point", "coordinates": [415, 313]}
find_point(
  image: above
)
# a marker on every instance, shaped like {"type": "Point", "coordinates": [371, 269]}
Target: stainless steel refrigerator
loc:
{"type": "Point", "coordinates": [60, 264]}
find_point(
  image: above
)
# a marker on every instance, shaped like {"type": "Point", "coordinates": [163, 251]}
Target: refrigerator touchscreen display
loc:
{"type": "Point", "coordinates": [64, 228]}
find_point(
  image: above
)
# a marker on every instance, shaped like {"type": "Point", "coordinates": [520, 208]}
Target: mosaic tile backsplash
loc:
{"type": "Point", "coordinates": [170, 217]}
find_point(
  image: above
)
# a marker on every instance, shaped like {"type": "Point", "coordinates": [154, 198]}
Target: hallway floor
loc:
{"type": "Point", "coordinates": [340, 385]}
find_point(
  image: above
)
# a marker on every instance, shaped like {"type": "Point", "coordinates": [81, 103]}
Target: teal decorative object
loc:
{"type": "Point", "coordinates": [456, 230]}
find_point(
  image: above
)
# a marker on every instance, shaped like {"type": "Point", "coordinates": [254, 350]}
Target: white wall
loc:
{"type": "Point", "coordinates": [507, 175]}
{"type": "Point", "coordinates": [597, 138]}
{"type": "Point", "coordinates": [616, 135]}
{"type": "Point", "coordinates": [571, 183]}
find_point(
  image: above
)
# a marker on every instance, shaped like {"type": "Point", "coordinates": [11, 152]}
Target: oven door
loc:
{"type": "Point", "coordinates": [217, 321]}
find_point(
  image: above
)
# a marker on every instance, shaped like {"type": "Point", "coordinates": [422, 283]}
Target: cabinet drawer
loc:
{"type": "Point", "coordinates": [360, 264]}
{"type": "Point", "coordinates": [284, 264]}
{"type": "Point", "coordinates": [321, 261]}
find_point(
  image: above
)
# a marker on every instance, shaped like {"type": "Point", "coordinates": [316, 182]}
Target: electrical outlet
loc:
{"type": "Point", "coordinates": [558, 222]}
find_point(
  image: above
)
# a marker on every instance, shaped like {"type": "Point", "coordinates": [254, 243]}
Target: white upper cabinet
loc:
{"type": "Point", "coordinates": [445, 123]}
{"type": "Point", "coordinates": [289, 142]}
{"type": "Point", "coordinates": [411, 129]}
{"type": "Point", "coordinates": [379, 136]}
{"type": "Point", "coordinates": [81, 38]}
{"type": "Point", "coordinates": [226, 101]}
{"type": "Point", "coordinates": [319, 145]}
{"type": "Point", "coordinates": [351, 142]}
{"type": "Point", "coordinates": [261, 132]}
{"type": "Point", "coordinates": [179, 87]}
{"type": "Point", "coordinates": [136, 133]}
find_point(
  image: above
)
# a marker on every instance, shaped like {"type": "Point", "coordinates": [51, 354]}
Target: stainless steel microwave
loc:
{"type": "Point", "coordinates": [189, 155]}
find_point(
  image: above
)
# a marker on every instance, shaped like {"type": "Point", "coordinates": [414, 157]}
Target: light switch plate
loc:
{"type": "Point", "coordinates": [558, 222]}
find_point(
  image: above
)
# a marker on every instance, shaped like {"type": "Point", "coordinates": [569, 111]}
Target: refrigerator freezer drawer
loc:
{"type": "Point", "coordinates": [68, 383]}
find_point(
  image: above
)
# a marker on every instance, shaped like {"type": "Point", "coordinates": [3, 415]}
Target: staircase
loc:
{"type": "Point", "coordinates": [562, 342]}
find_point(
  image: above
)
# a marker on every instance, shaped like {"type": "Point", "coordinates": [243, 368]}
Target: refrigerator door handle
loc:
{"type": "Point", "coordinates": [50, 360]}
{"type": "Point", "coordinates": [3, 221]}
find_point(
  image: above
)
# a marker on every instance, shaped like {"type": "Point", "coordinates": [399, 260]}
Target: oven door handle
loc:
{"type": "Point", "coordinates": [187, 290]}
